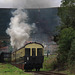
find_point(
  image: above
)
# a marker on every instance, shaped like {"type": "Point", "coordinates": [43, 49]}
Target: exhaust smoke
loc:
{"type": "Point", "coordinates": [19, 31]}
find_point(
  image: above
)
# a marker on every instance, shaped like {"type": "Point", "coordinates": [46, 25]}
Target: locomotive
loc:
{"type": "Point", "coordinates": [30, 56]}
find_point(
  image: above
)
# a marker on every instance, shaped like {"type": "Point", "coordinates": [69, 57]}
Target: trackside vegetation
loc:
{"type": "Point", "coordinates": [8, 69]}
{"type": "Point", "coordinates": [51, 64]}
{"type": "Point", "coordinates": [66, 41]}
{"type": "Point", "coordinates": [65, 60]}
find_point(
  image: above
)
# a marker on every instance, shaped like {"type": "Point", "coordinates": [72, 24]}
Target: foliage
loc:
{"type": "Point", "coordinates": [50, 63]}
{"type": "Point", "coordinates": [72, 52]}
{"type": "Point", "coordinates": [66, 52]}
{"type": "Point", "coordinates": [66, 3]}
{"type": "Point", "coordinates": [66, 37]}
{"type": "Point", "coordinates": [71, 56]}
{"type": "Point", "coordinates": [7, 69]}
{"type": "Point", "coordinates": [67, 14]}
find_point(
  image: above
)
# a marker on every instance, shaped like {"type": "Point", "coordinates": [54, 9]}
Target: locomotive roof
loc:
{"type": "Point", "coordinates": [35, 43]}
{"type": "Point", "coordinates": [29, 43]}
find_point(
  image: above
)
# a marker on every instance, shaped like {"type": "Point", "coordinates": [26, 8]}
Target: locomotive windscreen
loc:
{"type": "Point", "coordinates": [33, 51]}
{"type": "Point", "coordinates": [27, 51]}
{"type": "Point", "coordinates": [39, 51]}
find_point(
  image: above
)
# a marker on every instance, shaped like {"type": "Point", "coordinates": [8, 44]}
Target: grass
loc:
{"type": "Point", "coordinates": [8, 69]}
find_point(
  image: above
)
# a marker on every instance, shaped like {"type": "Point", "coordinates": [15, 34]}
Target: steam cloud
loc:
{"type": "Point", "coordinates": [19, 30]}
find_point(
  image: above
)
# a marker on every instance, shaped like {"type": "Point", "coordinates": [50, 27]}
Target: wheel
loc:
{"type": "Point", "coordinates": [38, 69]}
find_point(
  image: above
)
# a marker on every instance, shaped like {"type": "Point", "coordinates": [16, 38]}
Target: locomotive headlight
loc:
{"type": "Point", "coordinates": [27, 58]}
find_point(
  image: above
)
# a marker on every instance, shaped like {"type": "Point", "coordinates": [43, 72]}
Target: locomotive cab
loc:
{"type": "Point", "coordinates": [34, 56]}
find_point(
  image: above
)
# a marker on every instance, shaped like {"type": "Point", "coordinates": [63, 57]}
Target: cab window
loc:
{"type": "Point", "coordinates": [27, 51]}
{"type": "Point", "coordinates": [33, 51]}
{"type": "Point", "coordinates": [39, 51]}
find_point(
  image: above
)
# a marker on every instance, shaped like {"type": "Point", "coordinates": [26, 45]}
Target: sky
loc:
{"type": "Point", "coordinates": [29, 3]}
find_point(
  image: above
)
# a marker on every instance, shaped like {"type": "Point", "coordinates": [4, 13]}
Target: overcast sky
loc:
{"type": "Point", "coordinates": [29, 3]}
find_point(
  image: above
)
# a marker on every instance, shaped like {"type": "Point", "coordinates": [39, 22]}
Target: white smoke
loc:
{"type": "Point", "coordinates": [19, 30]}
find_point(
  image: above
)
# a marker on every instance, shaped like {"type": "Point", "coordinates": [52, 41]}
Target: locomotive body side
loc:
{"type": "Point", "coordinates": [20, 55]}
{"type": "Point", "coordinates": [17, 55]}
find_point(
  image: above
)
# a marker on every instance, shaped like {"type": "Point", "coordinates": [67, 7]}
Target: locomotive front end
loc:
{"type": "Point", "coordinates": [34, 56]}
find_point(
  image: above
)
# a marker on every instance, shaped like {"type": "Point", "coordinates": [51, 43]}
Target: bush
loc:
{"type": "Point", "coordinates": [71, 57]}
{"type": "Point", "coordinates": [50, 63]}
{"type": "Point", "coordinates": [65, 52]}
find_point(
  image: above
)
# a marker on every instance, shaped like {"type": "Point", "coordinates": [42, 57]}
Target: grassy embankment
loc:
{"type": "Point", "coordinates": [7, 69]}
{"type": "Point", "coordinates": [50, 64]}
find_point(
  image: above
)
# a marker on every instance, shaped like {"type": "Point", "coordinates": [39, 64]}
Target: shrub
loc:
{"type": "Point", "coordinates": [51, 63]}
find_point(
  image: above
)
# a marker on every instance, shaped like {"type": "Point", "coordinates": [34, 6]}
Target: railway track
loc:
{"type": "Point", "coordinates": [47, 73]}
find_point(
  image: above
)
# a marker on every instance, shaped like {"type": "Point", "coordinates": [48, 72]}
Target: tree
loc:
{"type": "Point", "coordinates": [66, 52]}
{"type": "Point", "coordinates": [71, 57]}
{"type": "Point", "coordinates": [67, 13]}
{"type": "Point", "coordinates": [66, 3]}
{"type": "Point", "coordinates": [66, 36]}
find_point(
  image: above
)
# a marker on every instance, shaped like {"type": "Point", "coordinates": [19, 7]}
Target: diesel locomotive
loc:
{"type": "Point", "coordinates": [30, 56]}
